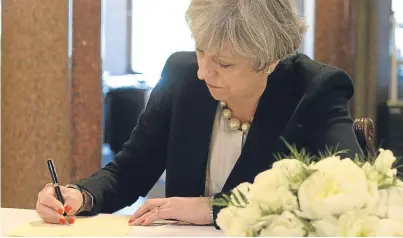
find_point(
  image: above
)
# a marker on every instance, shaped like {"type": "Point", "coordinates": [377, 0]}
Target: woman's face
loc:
{"type": "Point", "coordinates": [229, 76]}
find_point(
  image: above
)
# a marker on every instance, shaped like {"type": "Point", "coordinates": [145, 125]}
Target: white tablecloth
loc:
{"type": "Point", "coordinates": [12, 218]}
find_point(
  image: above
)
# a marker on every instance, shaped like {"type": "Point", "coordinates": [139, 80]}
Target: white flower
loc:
{"type": "Point", "coordinates": [326, 164]}
{"type": "Point", "coordinates": [324, 228]}
{"type": "Point", "coordinates": [336, 187]}
{"type": "Point", "coordinates": [272, 178]}
{"type": "Point", "coordinates": [379, 207]}
{"type": "Point", "coordinates": [286, 224]}
{"type": "Point", "coordinates": [388, 227]}
{"type": "Point", "coordinates": [395, 212]}
{"type": "Point", "coordinates": [384, 161]}
{"type": "Point", "coordinates": [390, 203]}
{"type": "Point", "coordinates": [381, 172]}
{"type": "Point", "coordinates": [294, 171]}
{"type": "Point", "coordinates": [383, 165]}
{"type": "Point", "coordinates": [389, 178]}
{"type": "Point", "coordinates": [238, 221]}
{"type": "Point", "coordinates": [226, 217]}
{"type": "Point", "coordinates": [271, 188]}
{"type": "Point", "coordinates": [394, 203]}
{"type": "Point", "coordinates": [356, 223]}
{"type": "Point", "coordinates": [312, 234]}
{"type": "Point", "coordinates": [270, 191]}
{"type": "Point", "coordinates": [351, 224]}
{"type": "Point", "coordinates": [371, 172]}
{"type": "Point", "coordinates": [273, 200]}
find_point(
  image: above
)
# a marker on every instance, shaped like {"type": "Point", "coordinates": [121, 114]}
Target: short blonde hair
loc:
{"type": "Point", "coordinates": [262, 31]}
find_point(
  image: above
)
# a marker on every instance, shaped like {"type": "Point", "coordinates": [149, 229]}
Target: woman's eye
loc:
{"type": "Point", "coordinates": [199, 53]}
{"type": "Point", "coordinates": [224, 65]}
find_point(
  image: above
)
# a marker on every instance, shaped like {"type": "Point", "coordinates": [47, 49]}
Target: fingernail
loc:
{"type": "Point", "coordinates": [71, 220]}
{"type": "Point", "coordinates": [62, 221]}
{"type": "Point", "coordinates": [142, 222]}
{"type": "Point", "coordinates": [60, 211]}
{"type": "Point", "coordinates": [68, 208]}
{"type": "Point", "coordinates": [131, 220]}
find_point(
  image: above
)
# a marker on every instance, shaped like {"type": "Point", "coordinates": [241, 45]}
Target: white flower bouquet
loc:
{"type": "Point", "coordinates": [330, 197]}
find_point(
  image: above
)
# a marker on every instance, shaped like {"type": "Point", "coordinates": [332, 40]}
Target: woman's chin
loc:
{"type": "Point", "coordinates": [219, 96]}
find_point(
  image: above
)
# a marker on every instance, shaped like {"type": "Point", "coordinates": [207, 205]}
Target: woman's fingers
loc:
{"type": "Point", "coordinates": [49, 214]}
{"type": "Point", "coordinates": [51, 210]}
{"type": "Point", "coordinates": [147, 207]}
{"type": "Point", "coordinates": [51, 202]}
{"type": "Point", "coordinates": [73, 200]}
{"type": "Point", "coordinates": [158, 214]}
{"type": "Point", "coordinates": [140, 220]}
{"type": "Point", "coordinates": [71, 219]}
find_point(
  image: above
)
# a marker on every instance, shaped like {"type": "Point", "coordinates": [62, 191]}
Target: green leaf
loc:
{"type": "Point", "coordinates": [226, 197]}
{"type": "Point", "coordinates": [236, 197]}
{"type": "Point", "coordinates": [225, 201]}
{"type": "Point", "coordinates": [300, 155]}
{"type": "Point", "coordinates": [220, 202]}
{"type": "Point", "coordinates": [243, 197]}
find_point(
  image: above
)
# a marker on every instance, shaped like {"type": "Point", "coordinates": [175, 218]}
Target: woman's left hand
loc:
{"type": "Point", "coordinates": [192, 210]}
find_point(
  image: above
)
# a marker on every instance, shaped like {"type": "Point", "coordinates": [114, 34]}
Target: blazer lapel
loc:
{"type": "Point", "coordinates": [276, 106]}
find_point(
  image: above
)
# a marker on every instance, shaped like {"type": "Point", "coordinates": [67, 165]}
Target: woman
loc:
{"type": "Point", "coordinates": [217, 116]}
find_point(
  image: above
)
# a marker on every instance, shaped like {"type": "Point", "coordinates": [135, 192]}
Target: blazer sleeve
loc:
{"type": "Point", "coordinates": [330, 125]}
{"type": "Point", "coordinates": [135, 169]}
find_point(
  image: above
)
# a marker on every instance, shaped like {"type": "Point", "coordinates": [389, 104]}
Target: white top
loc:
{"type": "Point", "coordinates": [225, 148]}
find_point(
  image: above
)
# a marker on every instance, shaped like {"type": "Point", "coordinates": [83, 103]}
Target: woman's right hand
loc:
{"type": "Point", "coordinates": [51, 210]}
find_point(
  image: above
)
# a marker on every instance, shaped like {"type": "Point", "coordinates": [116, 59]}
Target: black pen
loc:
{"type": "Point", "coordinates": [55, 181]}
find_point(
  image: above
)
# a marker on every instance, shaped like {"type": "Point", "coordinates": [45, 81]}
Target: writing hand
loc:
{"type": "Point", "coordinates": [51, 210]}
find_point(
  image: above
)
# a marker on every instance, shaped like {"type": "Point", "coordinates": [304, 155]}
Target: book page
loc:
{"type": "Point", "coordinates": [100, 225]}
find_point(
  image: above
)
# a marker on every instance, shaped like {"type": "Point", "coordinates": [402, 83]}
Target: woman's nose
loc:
{"type": "Point", "coordinates": [206, 69]}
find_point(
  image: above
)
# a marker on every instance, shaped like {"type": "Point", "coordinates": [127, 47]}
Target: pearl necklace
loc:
{"type": "Point", "coordinates": [234, 123]}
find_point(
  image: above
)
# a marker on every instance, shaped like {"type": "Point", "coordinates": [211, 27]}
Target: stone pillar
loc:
{"type": "Point", "coordinates": [87, 98]}
{"type": "Point", "coordinates": [45, 102]}
{"type": "Point", "coordinates": [335, 33]}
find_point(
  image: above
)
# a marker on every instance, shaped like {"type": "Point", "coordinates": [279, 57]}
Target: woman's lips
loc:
{"type": "Point", "coordinates": [212, 86]}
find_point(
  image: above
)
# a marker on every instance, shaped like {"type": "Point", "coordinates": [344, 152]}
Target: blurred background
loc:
{"type": "Point", "coordinates": [75, 75]}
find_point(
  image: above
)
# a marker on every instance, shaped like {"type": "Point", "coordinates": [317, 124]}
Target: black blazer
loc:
{"type": "Point", "coordinates": [305, 102]}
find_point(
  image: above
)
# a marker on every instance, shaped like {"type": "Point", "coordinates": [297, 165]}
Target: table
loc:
{"type": "Point", "coordinates": [11, 218]}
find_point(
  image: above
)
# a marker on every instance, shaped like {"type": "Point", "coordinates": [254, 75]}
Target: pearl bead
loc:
{"type": "Point", "coordinates": [245, 127]}
{"type": "Point", "coordinates": [223, 104]}
{"type": "Point", "coordinates": [234, 123]}
{"type": "Point", "coordinates": [226, 113]}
